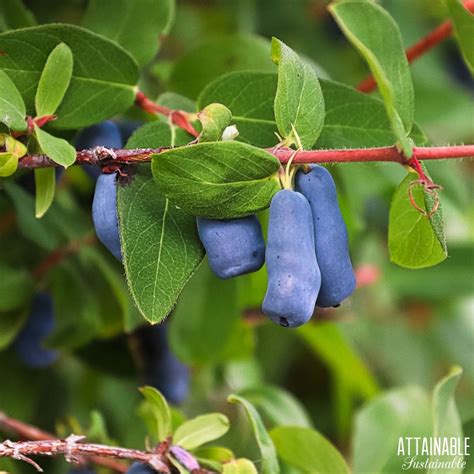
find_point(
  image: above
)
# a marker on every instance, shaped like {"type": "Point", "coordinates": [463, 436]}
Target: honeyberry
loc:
{"type": "Point", "coordinates": [233, 246]}
{"type": "Point", "coordinates": [330, 236]}
{"type": "Point", "coordinates": [139, 468]}
{"type": "Point", "coordinates": [293, 273]}
{"type": "Point", "coordinates": [29, 342]}
{"type": "Point", "coordinates": [105, 215]}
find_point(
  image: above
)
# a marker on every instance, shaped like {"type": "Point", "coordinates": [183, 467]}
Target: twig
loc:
{"type": "Point", "coordinates": [26, 431]}
{"type": "Point", "coordinates": [421, 47]}
{"type": "Point", "coordinates": [73, 448]}
{"type": "Point", "coordinates": [108, 156]}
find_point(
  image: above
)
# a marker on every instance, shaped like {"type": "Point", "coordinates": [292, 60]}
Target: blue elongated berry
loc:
{"type": "Point", "coordinates": [29, 342]}
{"type": "Point", "coordinates": [139, 468]}
{"type": "Point", "coordinates": [293, 272]}
{"type": "Point", "coordinates": [162, 369]}
{"type": "Point", "coordinates": [105, 215]}
{"type": "Point", "coordinates": [103, 134]}
{"type": "Point", "coordinates": [330, 236]}
{"type": "Point", "coordinates": [234, 246]}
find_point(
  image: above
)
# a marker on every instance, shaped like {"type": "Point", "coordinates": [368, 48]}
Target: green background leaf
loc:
{"type": "Point", "coordinates": [136, 25]}
{"type": "Point", "coordinates": [364, 23]}
{"type": "Point", "coordinates": [217, 180]}
{"type": "Point", "coordinates": [14, 14]}
{"type": "Point", "coordinates": [464, 26]}
{"type": "Point", "coordinates": [267, 448]}
{"type": "Point", "coordinates": [307, 450]}
{"type": "Point", "coordinates": [207, 306]}
{"type": "Point", "coordinates": [299, 100]}
{"type": "Point", "coordinates": [414, 239]}
{"type": "Point", "coordinates": [103, 79]}
{"type": "Point", "coordinates": [54, 80]}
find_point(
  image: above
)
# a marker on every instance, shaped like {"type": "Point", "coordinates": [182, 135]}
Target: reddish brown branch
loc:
{"type": "Point", "coordinates": [107, 156]}
{"type": "Point", "coordinates": [74, 449]}
{"type": "Point", "coordinates": [421, 47]}
{"type": "Point", "coordinates": [58, 255]}
{"type": "Point", "coordinates": [178, 117]}
{"type": "Point", "coordinates": [26, 431]}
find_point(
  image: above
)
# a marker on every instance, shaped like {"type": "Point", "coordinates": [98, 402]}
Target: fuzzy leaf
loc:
{"type": "Point", "coordinates": [415, 240]}
{"type": "Point", "coordinates": [158, 408]}
{"type": "Point", "coordinates": [365, 23]}
{"type": "Point", "coordinates": [217, 180]}
{"type": "Point", "coordinates": [104, 76]}
{"type": "Point", "coordinates": [54, 80]}
{"type": "Point", "coordinates": [136, 26]}
{"type": "Point", "coordinates": [299, 103]}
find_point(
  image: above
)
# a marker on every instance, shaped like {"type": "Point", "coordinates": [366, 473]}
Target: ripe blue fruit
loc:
{"type": "Point", "coordinates": [330, 236]}
{"type": "Point", "coordinates": [293, 272]}
{"type": "Point", "coordinates": [139, 468]}
{"type": "Point", "coordinates": [29, 342]}
{"type": "Point", "coordinates": [161, 368]}
{"type": "Point", "coordinates": [103, 134]}
{"type": "Point", "coordinates": [234, 246]}
{"type": "Point", "coordinates": [105, 215]}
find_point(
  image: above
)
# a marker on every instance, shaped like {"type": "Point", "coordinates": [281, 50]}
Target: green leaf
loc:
{"type": "Point", "coordinates": [11, 324]}
{"type": "Point", "coordinates": [382, 422]}
{"type": "Point", "coordinates": [267, 448]}
{"type": "Point", "coordinates": [328, 343]}
{"type": "Point", "coordinates": [446, 419]}
{"type": "Point", "coordinates": [14, 15]}
{"type": "Point", "coordinates": [104, 76]}
{"type": "Point", "coordinates": [214, 119]}
{"type": "Point", "coordinates": [415, 239]}
{"type": "Point", "coordinates": [201, 430]}
{"type": "Point", "coordinates": [160, 245]}
{"type": "Point", "coordinates": [307, 450]}
{"type": "Point", "coordinates": [207, 306]}
{"type": "Point", "coordinates": [353, 119]}
{"type": "Point", "coordinates": [364, 23]}
{"type": "Point", "coordinates": [213, 454]}
{"type": "Point", "coordinates": [239, 466]}
{"type": "Point", "coordinates": [12, 107]}
{"type": "Point", "coordinates": [299, 103]}
{"type": "Point", "coordinates": [58, 149]}
{"type": "Point", "coordinates": [217, 56]}
{"type": "Point", "coordinates": [217, 180]}
{"type": "Point", "coordinates": [16, 288]}
{"type": "Point", "coordinates": [54, 80]}
{"type": "Point", "coordinates": [136, 25]}
{"type": "Point", "coordinates": [8, 164]}
{"type": "Point", "coordinates": [159, 410]}
{"type": "Point", "coordinates": [463, 21]}
{"type": "Point", "coordinates": [45, 186]}
{"type": "Point", "coordinates": [250, 97]}
{"type": "Point", "coordinates": [277, 405]}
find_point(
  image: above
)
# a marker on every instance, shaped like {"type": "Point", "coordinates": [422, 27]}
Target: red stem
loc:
{"type": "Point", "coordinates": [178, 117]}
{"type": "Point", "coordinates": [424, 45]}
{"type": "Point", "coordinates": [106, 157]}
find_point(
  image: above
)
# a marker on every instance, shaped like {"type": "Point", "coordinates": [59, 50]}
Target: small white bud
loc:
{"type": "Point", "coordinates": [230, 133]}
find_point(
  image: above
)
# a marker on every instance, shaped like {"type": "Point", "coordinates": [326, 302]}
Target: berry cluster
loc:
{"type": "Point", "coordinates": [307, 251]}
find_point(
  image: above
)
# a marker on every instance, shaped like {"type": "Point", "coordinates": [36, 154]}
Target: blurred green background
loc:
{"type": "Point", "coordinates": [401, 327]}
